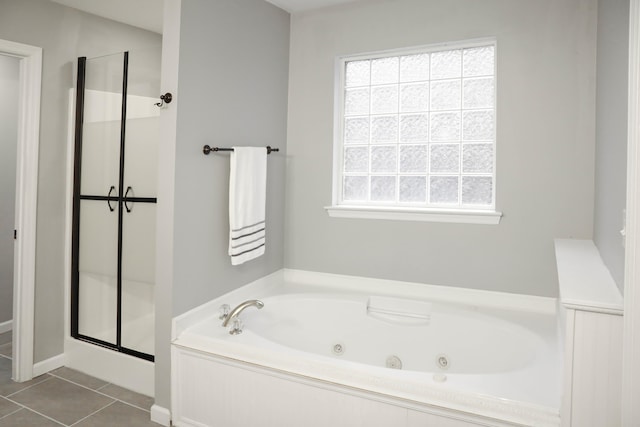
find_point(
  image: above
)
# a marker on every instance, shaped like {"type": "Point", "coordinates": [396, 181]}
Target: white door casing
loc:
{"type": "Point", "coordinates": [30, 79]}
{"type": "Point", "coordinates": [631, 328]}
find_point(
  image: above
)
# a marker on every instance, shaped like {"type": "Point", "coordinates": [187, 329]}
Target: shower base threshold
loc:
{"type": "Point", "coordinates": [117, 368]}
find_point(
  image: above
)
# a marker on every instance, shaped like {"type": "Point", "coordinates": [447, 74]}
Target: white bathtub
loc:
{"type": "Point", "coordinates": [463, 361]}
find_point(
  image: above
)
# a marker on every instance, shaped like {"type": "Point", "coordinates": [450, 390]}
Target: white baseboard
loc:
{"type": "Point", "coordinates": [50, 364]}
{"type": "Point", "coordinates": [6, 326]}
{"type": "Point", "coordinates": [161, 415]}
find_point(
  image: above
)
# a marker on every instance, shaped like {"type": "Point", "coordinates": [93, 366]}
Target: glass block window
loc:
{"type": "Point", "coordinates": [417, 129]}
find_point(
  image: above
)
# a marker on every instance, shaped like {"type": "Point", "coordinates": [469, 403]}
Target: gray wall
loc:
{"type": "Point", "coordinates": [611, 133]}
{"type": "Point", "coordinates": [9, 69]}
{"type": "Point", "coordinates": [545, 143]}
{"type": "Point", "coordinates": [64, 34]}
{"type": "Point", "coordinates": [233, 91]}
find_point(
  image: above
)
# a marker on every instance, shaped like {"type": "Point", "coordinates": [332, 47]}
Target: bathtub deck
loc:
{"type": "Point", "coordinates": [514, 396]}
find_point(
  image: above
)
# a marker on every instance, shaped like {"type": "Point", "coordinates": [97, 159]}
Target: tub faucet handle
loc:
{"type": "Point", "coordinates": [224, 311]}
{"type": "Point", "coordinates": [236, 326]}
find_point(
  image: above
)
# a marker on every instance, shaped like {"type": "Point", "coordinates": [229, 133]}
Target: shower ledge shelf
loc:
{"type": "Point", "coordinates": [585, 282]}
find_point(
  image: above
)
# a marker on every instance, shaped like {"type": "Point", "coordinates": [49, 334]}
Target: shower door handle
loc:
{"type": "Point", "coordinates": [111, 208]}
{"type": "Point", "coordinates": [126, 203]}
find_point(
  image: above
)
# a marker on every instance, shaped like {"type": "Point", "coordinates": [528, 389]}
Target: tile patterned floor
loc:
{"type": "Point", "coordinates": [65, 397]}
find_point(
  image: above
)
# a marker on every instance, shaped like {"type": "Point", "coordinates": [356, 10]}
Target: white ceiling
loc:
{"type": "Point", "coordinates": [293, 6]}
{"type": "Point", "coordinates": [147, 14]}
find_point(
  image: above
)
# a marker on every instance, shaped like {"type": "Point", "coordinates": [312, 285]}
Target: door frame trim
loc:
{"type": "Point", "coordinates": [28, 144]}
{"type": "Point", "coordinates": [631, 328]}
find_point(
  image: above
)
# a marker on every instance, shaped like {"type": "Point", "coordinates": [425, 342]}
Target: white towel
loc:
{"type": "Point", "coordinates": [247, 200]}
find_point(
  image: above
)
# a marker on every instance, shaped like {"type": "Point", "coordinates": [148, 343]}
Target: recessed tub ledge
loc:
{"type": "Point", "coordinates": [585, 283]}
{"type": "Point", "coordinates": [467, 355]}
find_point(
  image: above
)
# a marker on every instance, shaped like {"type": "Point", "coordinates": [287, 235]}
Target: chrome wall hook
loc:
{"type": "Point", "coordinates": [165, 99]}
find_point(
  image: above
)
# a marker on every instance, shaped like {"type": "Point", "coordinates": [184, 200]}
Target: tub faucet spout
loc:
{"type": "Point", "coordinates": [236, 312]}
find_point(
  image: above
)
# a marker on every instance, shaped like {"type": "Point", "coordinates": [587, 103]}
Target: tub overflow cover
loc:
{"type": "Point", "coordinates": [442, 361]}
{"type": "Point", "coordinates": [394, 362]}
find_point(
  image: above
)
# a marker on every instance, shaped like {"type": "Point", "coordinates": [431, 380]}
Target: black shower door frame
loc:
{"type": "Point", "coordinates": [121, 198]}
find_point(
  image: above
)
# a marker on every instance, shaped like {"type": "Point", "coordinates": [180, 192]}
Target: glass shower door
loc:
{"type": "Point", "coordinates": [114, 207]}
{"type": "Point", "coordinates": [139, 217]}
{"type": "Point", "coordinates": [97, 201]}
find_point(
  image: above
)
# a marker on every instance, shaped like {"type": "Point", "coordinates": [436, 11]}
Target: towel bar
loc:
{"type": "Point", "coordinates": [207, 149]}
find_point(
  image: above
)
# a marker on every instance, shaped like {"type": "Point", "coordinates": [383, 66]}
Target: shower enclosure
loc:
{"type": "Point", "coordinates": [114, 205]}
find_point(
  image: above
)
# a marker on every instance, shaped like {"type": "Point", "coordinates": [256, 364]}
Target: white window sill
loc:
{"type": "Point", "coordinates": [416, 214]}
